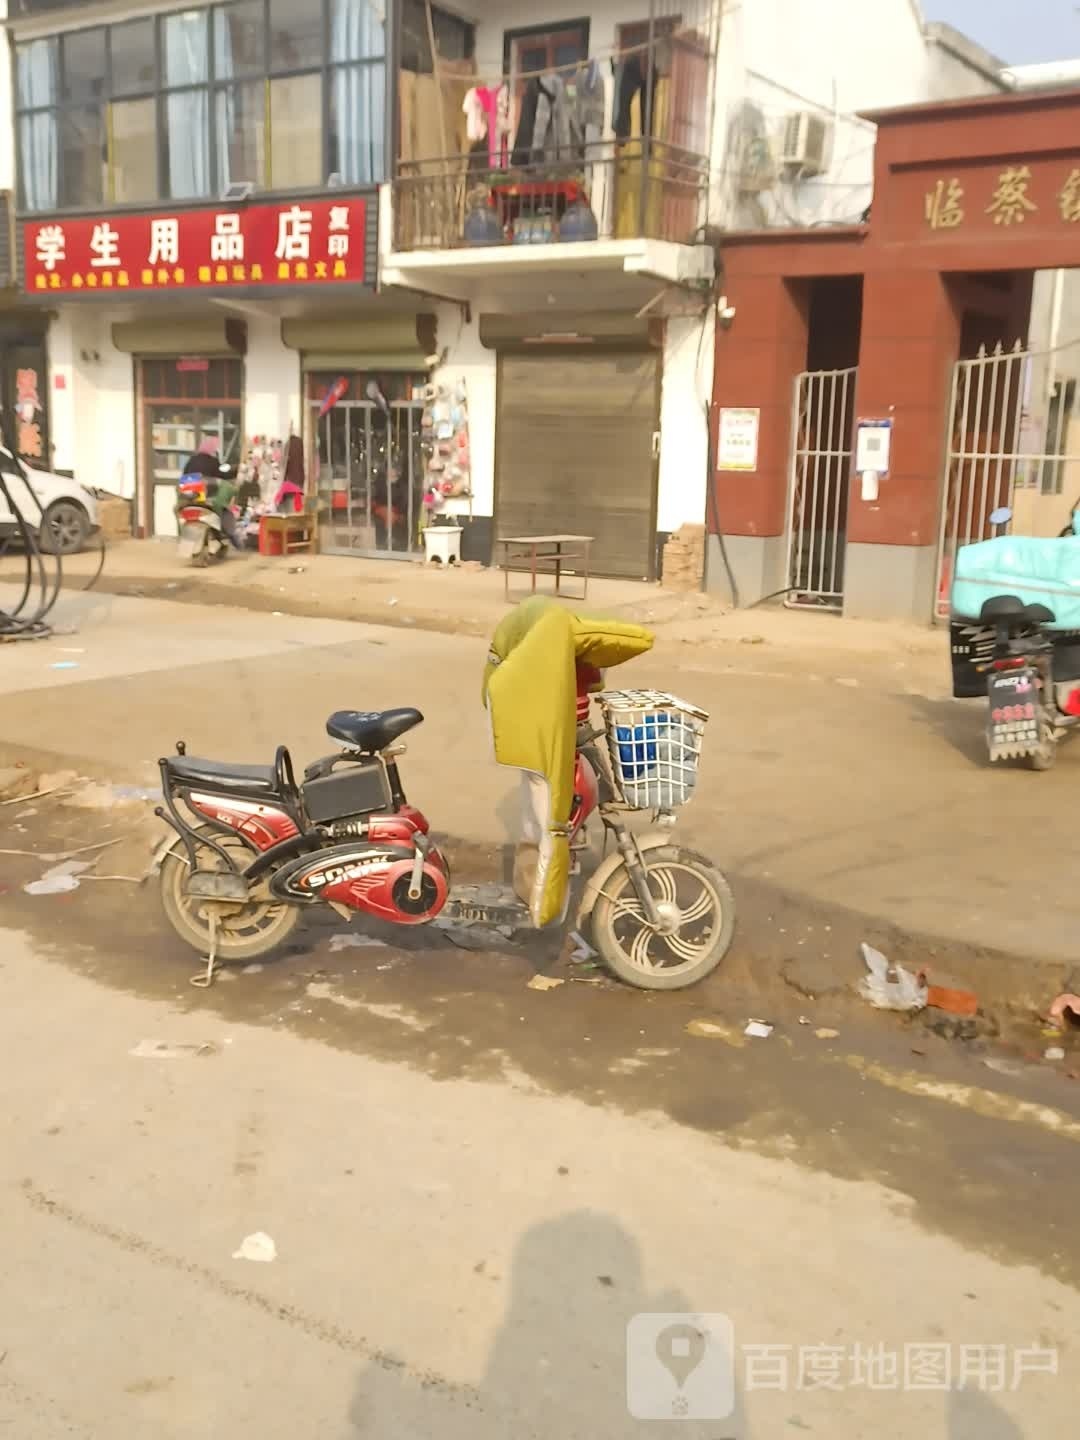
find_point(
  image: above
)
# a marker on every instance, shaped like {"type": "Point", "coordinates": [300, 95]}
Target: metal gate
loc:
{"type": "Point", "coordinates": [370, 470]}
{"type": "Point", "coordinates": [822, 422]}
{"type": "Point", "coordinates": [1014, 440]}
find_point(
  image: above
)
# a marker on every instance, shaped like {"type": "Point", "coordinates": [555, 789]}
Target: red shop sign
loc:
{"type": "Point", "coordinates": [315, 242]}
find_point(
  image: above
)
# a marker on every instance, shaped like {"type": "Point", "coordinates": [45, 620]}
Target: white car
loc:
{"type": "Point", "coordinates": [70, 510]}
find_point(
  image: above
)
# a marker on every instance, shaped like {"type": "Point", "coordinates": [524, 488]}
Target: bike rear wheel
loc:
{"type": "Point", "coordinates": [244, 932]}
{"type": "Point", "coordinates": [697, 912]}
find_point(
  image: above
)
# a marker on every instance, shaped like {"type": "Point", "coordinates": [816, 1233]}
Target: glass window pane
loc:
{"type": "Point", "coordinates": [37, 67]}
{"type": "Point", "coordinates": [356, 30]}
{"type": "Point", "coordinates": [37, 161]}
{"type": "Point", "coordinates": [296, 132]}
{"type": "Point", "coordinates": [241, 134]}
{"type": "Point", "coordinates": [82, 156]}
{"type": "Point", "coordinates": [83, 53]}
{"type": "Point", "coordinates": [134, 66]}
{"type": "Point", "coordinates": [295, 34]}
{"type": "Point", "coordinates": [185, 48]}
{"type": "Point", "coordinates": [357, 135]}
{"type": "Point", "coordinates": [187, 136]}
{"type": "Point", "coordinates": [134, 150]}
{"type": "Point", "coordinates": [238, 39]}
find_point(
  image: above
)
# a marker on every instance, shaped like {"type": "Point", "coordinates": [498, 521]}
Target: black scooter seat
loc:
{"type": "Point", "coordinates": [370, 731]}
{"type": "Point", "coordinates": [221, 776]}
{"type": "Point", "coordinates": [1010, 609]}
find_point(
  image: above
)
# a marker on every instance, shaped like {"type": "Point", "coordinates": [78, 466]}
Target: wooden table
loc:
{"type": "Point", "coordinates": [297, 532]}
{"type": "Point", "coordinates": [544, 551]}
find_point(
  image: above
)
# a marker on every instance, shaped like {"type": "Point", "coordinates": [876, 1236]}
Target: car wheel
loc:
{"type": "Point", "coordinates": [64, 528]}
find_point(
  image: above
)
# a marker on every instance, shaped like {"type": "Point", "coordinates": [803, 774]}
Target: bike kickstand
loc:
{"type": "Point", "coordinates": [205, 979]}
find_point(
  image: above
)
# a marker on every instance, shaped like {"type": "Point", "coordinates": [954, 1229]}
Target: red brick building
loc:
{"type": "Point", "coordinates": [897, 320]}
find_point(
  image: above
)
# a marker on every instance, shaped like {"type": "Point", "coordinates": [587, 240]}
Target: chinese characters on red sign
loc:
{"type": "Point", "coordinates": [1010, 202]}
{"type": "Point", "coordinates": [311, 243]}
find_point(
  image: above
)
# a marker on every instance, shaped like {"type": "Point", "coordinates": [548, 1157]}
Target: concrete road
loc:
{"type": "Point", "coordinates": [474, 1187]}
{"type": "Point", "coordinates": [845, 776]}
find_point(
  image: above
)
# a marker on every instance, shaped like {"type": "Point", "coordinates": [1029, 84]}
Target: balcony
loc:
{"type": "Point", "coordinates": [636, 206]}
{"type": "Point", "coordinates": [634, 190]}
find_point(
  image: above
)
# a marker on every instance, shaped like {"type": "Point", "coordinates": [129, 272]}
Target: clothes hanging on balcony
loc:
{"type": "Point", "coordinates": [544, 130]}
{"type": "Point", "coordinates": [587, 118]}
{"type": "Point", "coordinates": [487, 117]}
{"type": "Point", "coordinates": [630, 81]}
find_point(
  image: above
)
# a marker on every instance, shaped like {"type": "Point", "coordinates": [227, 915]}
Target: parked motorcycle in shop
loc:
{"type": "Point", "coordinates": [202, 538]}
{"type": "Point", "coordinates": [1015, 639]}
{"type": "Point", "coordinates": [254, 847]}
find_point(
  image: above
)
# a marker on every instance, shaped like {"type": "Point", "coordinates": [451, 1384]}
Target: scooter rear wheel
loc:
{"type": "Point", "coordinates": [244, 932]}
{"type": "Point", "coordinates": [698, 914]}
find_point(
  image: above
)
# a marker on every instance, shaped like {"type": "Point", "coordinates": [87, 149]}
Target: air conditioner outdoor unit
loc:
{"type": "Point", "coordinates": [805, 143]}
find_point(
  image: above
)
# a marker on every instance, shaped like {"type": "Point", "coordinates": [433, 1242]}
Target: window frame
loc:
{"type": "Point", "coordinates": [214, 86]}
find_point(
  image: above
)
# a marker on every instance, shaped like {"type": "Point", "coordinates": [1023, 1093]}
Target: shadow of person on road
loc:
{"type": "Point", "coordinates": [972, 1415]}
{"type": "Point", "coordinates": [558, 1362]}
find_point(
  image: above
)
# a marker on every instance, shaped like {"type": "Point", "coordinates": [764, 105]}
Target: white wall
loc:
{"type": "Point", "coordinates": [834, 57]}
{"type": "Point", "coordinates": [685, 390]}
{"type": "Point", "coordinates": [272, 389]}
{"type": "Point", "coordinates": [92, 417]}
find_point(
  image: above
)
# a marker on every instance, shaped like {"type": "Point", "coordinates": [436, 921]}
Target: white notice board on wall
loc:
{"type": "Point", "coordinates": [737, 438]}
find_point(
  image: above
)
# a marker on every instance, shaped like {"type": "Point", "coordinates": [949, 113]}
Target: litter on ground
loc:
{"type": "Point", "coordinates": [889, 987]}
{"type": "Point", "coordinates": [259, 1247]}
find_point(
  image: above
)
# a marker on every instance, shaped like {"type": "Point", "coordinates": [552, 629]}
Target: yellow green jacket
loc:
{"type": "Point", "coordinates": [530, 688]}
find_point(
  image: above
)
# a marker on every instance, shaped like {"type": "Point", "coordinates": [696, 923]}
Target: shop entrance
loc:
{"type": "Point", "coordinates": [824, 416]}
{"type": "Point", "coordinates": [366, 464]}
{"type": "Point", "coordinates": [575, 449]}
{"type": "Point", "coordinates": [183, 401]}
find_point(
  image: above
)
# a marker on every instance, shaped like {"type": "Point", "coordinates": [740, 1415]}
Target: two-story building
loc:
{"type": "Point", "coordinates": [197, 200]}
{"type": "Point", "coordinates": [467, 253]}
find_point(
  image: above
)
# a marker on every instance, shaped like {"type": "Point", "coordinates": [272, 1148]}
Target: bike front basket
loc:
{"type": "Point", "coordinates": [654, 740]}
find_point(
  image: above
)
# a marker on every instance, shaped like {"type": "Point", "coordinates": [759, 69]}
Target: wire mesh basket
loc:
{"type": "Point", "coordinates": [654, 740]}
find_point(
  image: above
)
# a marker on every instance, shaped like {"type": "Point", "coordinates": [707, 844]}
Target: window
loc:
{"type": "Point", "coordinates": [295, 131]}
{"type": "Point", "coordinates": [84, 69]}
{"type": "Point", "coordinates": [296, 40]}
{"type": "Point", "coordinates": [133, 155]}
{"type": "Point", "coordinates": [281, 93]}
{"type": "Point", "coordinates": [186, 65]}
{"type": "Point", "coordinates": [357, 92]}
{"type": "Point", "coordinates": [133, 52]}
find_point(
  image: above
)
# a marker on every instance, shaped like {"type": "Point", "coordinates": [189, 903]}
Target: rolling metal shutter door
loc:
{"type": "Point", "coordinates": [574, 453]}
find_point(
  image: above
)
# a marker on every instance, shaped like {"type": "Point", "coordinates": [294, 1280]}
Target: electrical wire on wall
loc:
{"type": "Point", "coordinates": [42, 573]}
{"type": "Point", "coordinates": [712, 505]}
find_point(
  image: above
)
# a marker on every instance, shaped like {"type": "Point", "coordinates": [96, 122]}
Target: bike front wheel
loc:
{"type": "Point", "coordinates": [696, 911]}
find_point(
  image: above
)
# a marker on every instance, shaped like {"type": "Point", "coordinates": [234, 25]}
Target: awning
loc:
{"type": "Point", "coordinates": [177, 336]}
{"type": "Point", "coordinates": [615, 330]}
{"type": "Point", "coordinates": [368, 342]}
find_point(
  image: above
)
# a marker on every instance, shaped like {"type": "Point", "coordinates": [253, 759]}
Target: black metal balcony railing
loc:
{"type": "Point", "coordinates": [619, 190]}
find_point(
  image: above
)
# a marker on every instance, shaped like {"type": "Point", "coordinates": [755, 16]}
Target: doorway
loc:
{"type": "Point", "coordinates": [366, 464]}
{"type": "Point", "coordinates": [183, 401]}
{"type": "Point", "coordinates": [1014, 441]}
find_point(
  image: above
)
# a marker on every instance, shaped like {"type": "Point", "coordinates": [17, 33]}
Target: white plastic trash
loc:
{"type": "Point", "coordinates": [442, 544]}
{"type": "Point", "coordinates": [889, 987]}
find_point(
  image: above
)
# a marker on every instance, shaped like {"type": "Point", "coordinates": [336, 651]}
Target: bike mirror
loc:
{"type": "Point", "coordinates": [1001, 516]}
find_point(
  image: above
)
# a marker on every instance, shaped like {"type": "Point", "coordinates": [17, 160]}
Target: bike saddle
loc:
{"type": "Point", "coordinates": [371, 730]}
{"type": "Point", "coordinates": [1001, 607]}
{"type": "Point", "coordinates": [1039, 615]}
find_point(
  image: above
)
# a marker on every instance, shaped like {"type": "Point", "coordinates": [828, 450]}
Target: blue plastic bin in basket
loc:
{"type": "Point", "coordinates": [654, 750]}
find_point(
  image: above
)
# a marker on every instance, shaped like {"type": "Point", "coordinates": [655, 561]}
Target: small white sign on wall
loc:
{"type": "Point", "coordinates": [737, 438]}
